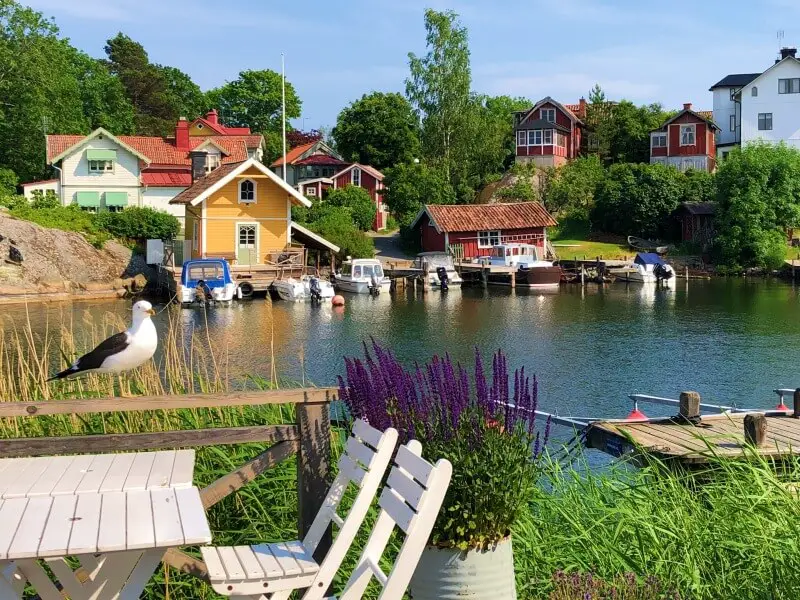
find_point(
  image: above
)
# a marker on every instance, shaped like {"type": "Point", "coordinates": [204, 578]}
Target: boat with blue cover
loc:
{"type": "Point", "coordinates": [647, 267]}
{"type": "Point", "coordinates": [206, 279]}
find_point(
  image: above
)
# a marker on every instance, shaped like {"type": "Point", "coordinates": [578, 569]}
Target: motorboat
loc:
{"type": "Point", "coordinates": [438, 270]}
{"type": "Point", "coordinates": [531, 270]}
{"type": "Point", "coordinates": [643, 245]}
{"type": "Point", "coordinates": [310, 287]}
{"type": "Point", "coordinates": [206, 280]}
{"type": "Point", "coordinates": [362, 276]}
{"type": "Point", "coordinates": [647, 267]}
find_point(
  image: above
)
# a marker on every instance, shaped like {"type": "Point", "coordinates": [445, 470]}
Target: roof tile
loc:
{"type": "Point", "coordinates": [481, 217]}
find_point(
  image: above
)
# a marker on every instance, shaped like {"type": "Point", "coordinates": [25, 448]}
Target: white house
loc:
{"type": "Point", "coordinates": [48, 185]}
{"type": "Point", "coordinates": [101, 171]}
{"type": "Point", "coordinates": [759, 106]}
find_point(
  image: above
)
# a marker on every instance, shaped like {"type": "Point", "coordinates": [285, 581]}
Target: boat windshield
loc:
{"type": "Point", "coordinates": [347, 269]}
{"type": "Point", "coordinates": [206, 273]}
{"type": "Point", "coordinates": [370, 270]}
{"type": "Point", "coordinates": [499, 252]}
{"type": "Point", "coordinates": [435, 260]}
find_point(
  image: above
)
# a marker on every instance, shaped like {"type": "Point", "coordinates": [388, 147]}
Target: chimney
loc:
{"type": "Point", "coordinates": [788, 51]}
{"type": "Point", "coordinates": [182, 134]}
{"type": "Point", "coordinates": [582, 107]}
{"type": "Point", "coordinates": [198, 165]}
{"type": "Point", "coordinates": [687, 106]}
{"type": "Point", "coordinates": [211, 117]}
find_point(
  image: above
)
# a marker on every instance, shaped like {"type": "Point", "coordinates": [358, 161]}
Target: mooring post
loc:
{"type": "Point", "coordinates": [755, 429]}
{"type": "Point", "coordinates": [313, 466]}
{"type": "Point", "coordinates": [513, 280]}
{"type": "Point", "coordinates": [796, 411]}
{"type": "Point", "coordinates": [689, 406]}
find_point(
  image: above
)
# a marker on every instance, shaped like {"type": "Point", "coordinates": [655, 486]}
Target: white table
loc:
{"type": "Point", "coordinates": [117, 514]}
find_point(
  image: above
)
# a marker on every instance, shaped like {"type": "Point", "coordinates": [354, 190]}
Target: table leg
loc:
{"type": "Point", "coordinates": [12, 582]}
{"type": "Point", "coordinates": [142, 573]}
{"type": "Point", "coordinates": [39, 579]}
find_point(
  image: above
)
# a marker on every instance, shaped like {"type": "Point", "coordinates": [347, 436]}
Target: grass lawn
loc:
{"type": "Point", "coordinates": [578, 249]}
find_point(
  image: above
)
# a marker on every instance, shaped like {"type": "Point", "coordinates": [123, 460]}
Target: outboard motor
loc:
{"type": "Point", "coordinates": [374, 285]}
{"type": "Point", "coordinates": [662, 273]}
{"type": "Point", "coordinates": [441, 273]}
{"type": "Point", "coordinates": [315, 290]}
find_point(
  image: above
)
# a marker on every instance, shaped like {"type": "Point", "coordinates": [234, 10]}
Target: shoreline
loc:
{"type": "Point", "coordinates": [47, 297]}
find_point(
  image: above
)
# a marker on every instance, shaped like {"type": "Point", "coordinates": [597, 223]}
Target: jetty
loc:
{"type": "Point", "coordinates": [691, 438]}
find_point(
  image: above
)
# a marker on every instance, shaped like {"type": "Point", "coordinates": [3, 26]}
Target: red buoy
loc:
{"type": "Point", "coordinates": [338, 300]}
{"type": "Point", "coordinates": [781, 405]}
{"type": "Point", "coordinates": [636, 414]}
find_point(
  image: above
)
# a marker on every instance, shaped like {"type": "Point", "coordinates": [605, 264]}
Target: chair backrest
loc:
{"type": "Point", "coordinates": [364, 462]}
{"type": "Point", "coordinates": [410, 500]}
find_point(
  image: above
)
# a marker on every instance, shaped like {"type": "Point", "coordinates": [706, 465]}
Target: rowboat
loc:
{"type": "Point", "coordinates": [643, 245]}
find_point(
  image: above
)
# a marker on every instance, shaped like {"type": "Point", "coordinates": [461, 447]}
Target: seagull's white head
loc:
{"type": "Point", "coordinates": [142, 310]}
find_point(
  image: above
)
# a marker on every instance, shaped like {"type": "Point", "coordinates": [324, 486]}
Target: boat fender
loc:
{"type": "Point", "coordinates": [338, 300]}
{"type": "Point", "coordinates": [238, 293]}
{"type": "Point", "coordinates": [245, 289]}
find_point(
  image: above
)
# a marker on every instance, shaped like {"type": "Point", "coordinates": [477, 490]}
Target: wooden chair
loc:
{"type": "Point", "coordinates": [411, 500]}
{"type": "Point", "coordinates": [277, 569]}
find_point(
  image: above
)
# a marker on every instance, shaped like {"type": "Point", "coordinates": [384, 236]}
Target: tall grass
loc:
{"type": "Point", "coordinates": [732, 531]}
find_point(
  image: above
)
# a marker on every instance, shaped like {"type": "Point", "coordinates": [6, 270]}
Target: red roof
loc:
{"type": "Point", "coordinates": [166, 178]}
{"type": "Point", "coordinates": [321, 159]}
{"type": "Point", "coordinates": [162, 150]}
{"type": "Point", "coordinates": [482, 217]}
{"type": "Point", "coordinates": [30, 183]}
{"type": "Point", "coordinates": [293, 154]}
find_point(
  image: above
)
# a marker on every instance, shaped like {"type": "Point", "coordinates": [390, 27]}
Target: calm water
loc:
{"type": "Point", "coordinates": [733, 341]}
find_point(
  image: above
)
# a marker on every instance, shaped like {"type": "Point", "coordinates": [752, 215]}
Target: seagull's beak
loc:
{"type": "Point", "coordinates": [151, 312]}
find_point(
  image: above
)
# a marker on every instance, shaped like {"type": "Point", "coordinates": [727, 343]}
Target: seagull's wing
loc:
{"type": "Point", "coordinates": [94, 359]}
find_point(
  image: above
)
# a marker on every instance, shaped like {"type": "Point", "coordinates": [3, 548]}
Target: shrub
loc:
{"type": "Point", "coordinates": [521, 189]}
{"type": "Point", "coordinates": [570, 192]}
{"type": "Point", "coordinates": [357, 201]}
{"type": "Point", "coordinates": [8, 182]}
{"type": "Point", "coordinates": [140, 223]}
{"type": "Point", "coordinates": [488, 435]}
{"type": "Point", "coordinates": [46, 200]}
{"type": "Point", "coordinates": [335, 224]}
{"type": "Point", "coordinates": [66, 218]}
{"type": "Point", "coordinates": [12, 201]}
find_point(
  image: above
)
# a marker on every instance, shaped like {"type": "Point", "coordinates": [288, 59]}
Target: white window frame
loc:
{"type": "Point", "coordinates": [243, 200]}
{"type": "Point", "coordinates": [522, 138]}
{"type": "Point", "coordinates": [485, 238]}
{"type": "Point", "coordinates": [545, 135]}
{"type": "Point", "coordinates": [212, 162]}
{"type": "Point", "coordinates": [790, 85]}
{"type": "Point", "coordinates": [544, 113]}
{"type": "Point", "coordinates": [732, 123]}
{"type": "Point", "coordinates": [98, 167]}
{"type": "Point", "coordinates": [311, 190]}
{"type": "Point", "coordinates": [758, 121]}
{"type": "Point", "coordinates": [685, 130]}
{"type": "Point", "coordinates": [355, 177]}
{"type": "Point", "coordinates": [658, 135]}
{"type": "Point", "coordinates": [533, 134]}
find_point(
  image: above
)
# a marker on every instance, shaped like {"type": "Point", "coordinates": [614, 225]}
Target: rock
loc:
{"type": "Point", "coordinates": [15, 290]}
{"type": "Point", "coordinates": [97, 286]}
{"type": "Point", "coordinates": [15, 255]}
{"type": "Point", "coordinates": [139, 282]}
{"type": "Point", "coordinates": [53, 285]}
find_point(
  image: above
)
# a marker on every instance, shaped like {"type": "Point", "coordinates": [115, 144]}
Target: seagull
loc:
{"type": "Point", "coordinates": [122, 351]}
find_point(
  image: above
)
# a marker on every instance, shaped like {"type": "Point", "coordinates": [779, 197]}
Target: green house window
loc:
{"type": "Point", "coordinates": [101, 160]}
{"type": "Point", "coordinates": [88, 200]}
{"type": "Point", "coordinates": [116, 201]}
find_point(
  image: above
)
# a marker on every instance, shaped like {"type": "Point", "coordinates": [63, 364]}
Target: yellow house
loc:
{"type": "Point", "coordinates": [241, 212]}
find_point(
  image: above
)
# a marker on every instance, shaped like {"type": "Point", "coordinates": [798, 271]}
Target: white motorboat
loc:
{"type": "Point", "coordinates": [647, 267]}
{"type": "Point", "coordinates": [206, 280]}
{"type": "Point", "coordinates": [532, 271]}
{"type": "Point", "coordinates": [438, 267]}
{"type": "Point", "coordinates": [310, 287]}
{"type": "Point", "coordinates": [362, 276]}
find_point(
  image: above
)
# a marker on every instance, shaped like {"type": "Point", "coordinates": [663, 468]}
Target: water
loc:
{"type": "Point", "coordinates": [731, 340]}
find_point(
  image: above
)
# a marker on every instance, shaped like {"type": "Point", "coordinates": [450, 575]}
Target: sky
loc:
{"type": "Point", "coordinates": [338, 50]}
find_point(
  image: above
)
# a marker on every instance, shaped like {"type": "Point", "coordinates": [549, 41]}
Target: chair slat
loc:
{"type": "Point", "coordinates": [420, 468]}
{"type": "Point", "coordinates": [303, 558]}
{"type": "Point", "coordinates": [267, 560]}
{"type": "Point", "coordinates": [285, 559]}
{"type": "Point", "coordinates": [367, 433]}
{"type": "Point", "coordinates": [249, 562]}
{"type": "Point", "coordinates": [350, 469]}
{"type": "Point", "coordinates": [398, 510]}
{"type": "Point", "coordinates": [359, 452]}
{"type": "Point", "coordinates": [230, 561]}
{"type": "Point", "coordinates": [406, 487]}
{"type": "Point", "coordinates": [216, 572]}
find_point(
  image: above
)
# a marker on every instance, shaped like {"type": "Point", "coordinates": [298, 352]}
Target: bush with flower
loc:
{"type": "Point", "coordinates": [485, 428]}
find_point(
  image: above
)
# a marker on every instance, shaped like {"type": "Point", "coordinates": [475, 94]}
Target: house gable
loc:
{"type": "Point", "coordinates": [99, 134]}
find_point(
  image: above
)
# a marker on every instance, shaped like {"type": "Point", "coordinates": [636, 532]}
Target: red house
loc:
{"type": "Point", "coordinates": [471, 230]}
{"type": "Point", "coordinates": [686, 141]}
{"type": "Point", "coordinates": [548, 134]}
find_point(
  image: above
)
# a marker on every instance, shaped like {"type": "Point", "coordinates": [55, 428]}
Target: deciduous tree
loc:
{"type": "Point", "coordinates": [103, 96]}
{"type": "Point", "coordinates": [254, 100]}
{"type": "Point", "coordinates": [410, 186]}
{"type": "Point", "coordinates": [357, 201]}
{"type": "Point", "coordinates": [378, 129]}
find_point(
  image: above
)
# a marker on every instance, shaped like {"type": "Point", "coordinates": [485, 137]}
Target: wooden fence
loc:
{"type": "Point", "coordinates": [309, 437]}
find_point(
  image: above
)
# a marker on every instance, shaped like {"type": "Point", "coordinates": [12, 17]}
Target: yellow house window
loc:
{"type": "Point", "coordinates": [247, 191]}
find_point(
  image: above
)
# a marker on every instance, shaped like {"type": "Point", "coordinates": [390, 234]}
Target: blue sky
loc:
{"type": "Point", "coordinates": [338, 50]}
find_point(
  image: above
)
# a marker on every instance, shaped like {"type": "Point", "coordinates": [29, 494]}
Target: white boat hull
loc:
{"type": "Point", "coordinates": [292, 290]}
{"type": "Point", "coordinates": [221, 294]}
{"type": "Point", "coordinates": [360, 286]}
{"type": "Point", "coordinates": [640, 274]}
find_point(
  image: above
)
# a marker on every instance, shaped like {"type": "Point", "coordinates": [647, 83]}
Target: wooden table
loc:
{"type": "Point", "coordinates": [116, 514]}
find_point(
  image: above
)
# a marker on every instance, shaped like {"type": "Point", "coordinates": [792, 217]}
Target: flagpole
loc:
{"type": "Point", "coordinates": [283, 109]}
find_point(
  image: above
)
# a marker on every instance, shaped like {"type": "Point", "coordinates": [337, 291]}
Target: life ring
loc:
{"type": "Point", "coordinates": [246, 289]}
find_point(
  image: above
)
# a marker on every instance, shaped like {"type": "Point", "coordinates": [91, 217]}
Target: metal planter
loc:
{"type": "Point", "coordinates": [447, 574]}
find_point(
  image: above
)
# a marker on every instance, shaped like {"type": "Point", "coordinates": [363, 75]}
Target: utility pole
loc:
{"type": "Point", "coordinates": [283, 109]}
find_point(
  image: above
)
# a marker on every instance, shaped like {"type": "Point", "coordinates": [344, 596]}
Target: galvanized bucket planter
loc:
{"type": "Point", "coordinates": [447, 574]}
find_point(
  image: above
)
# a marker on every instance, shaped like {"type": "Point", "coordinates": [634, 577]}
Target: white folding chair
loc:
{"type": "Point", "coordinates": [410, 500]}
{"type": "Point", "coordinates": [277, 569]}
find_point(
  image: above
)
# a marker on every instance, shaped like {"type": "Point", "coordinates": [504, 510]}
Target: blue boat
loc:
{"type": "Point", "coordinates": [207, 279]}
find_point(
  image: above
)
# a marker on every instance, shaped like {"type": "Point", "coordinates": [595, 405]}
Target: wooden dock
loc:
{"type": "Point", "coordinates": [693, 439]}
